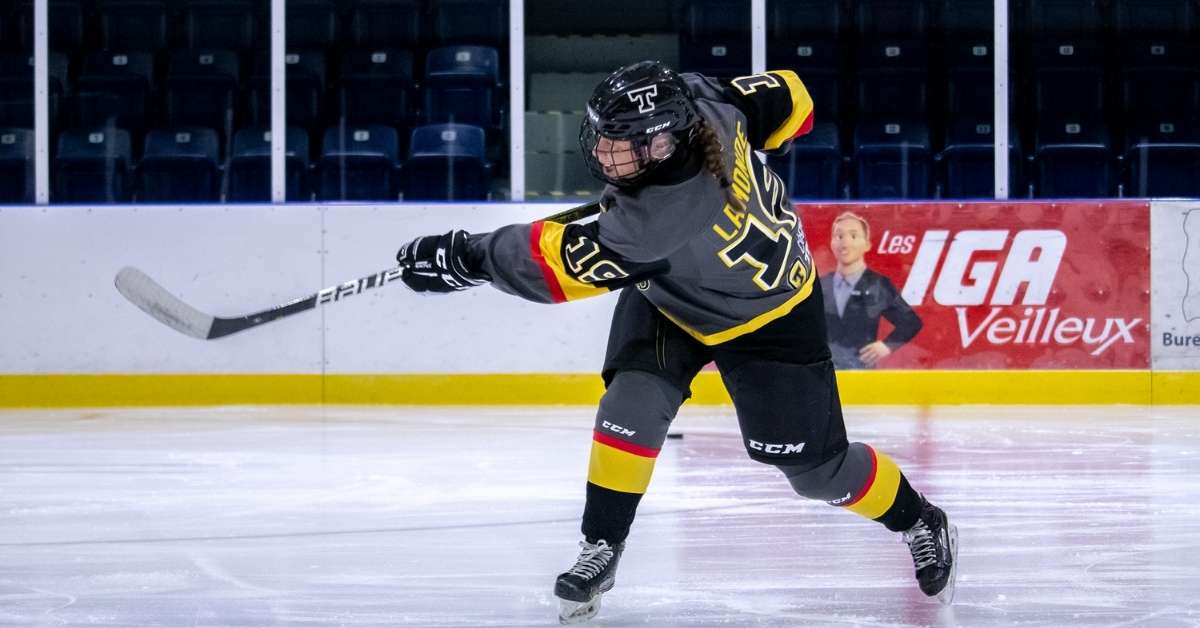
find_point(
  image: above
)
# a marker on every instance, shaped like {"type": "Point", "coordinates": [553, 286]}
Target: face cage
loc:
{"type": "Point", "coordinates": [628, 166]}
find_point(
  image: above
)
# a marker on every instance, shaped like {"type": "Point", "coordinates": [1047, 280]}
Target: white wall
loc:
{"type": "Point", "coordinates": [59, 311]}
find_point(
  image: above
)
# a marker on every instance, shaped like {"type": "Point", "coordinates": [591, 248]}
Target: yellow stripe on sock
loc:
{"type": "Point", "coordinates": [619, 470]}
{"type": "Point", "coordinates": [882, 493]}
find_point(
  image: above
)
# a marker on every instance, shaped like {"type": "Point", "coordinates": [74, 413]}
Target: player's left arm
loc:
{"type": "Point", "coordinates": [777, 106]}
{"type": "Point", "coordinates": [901, 315]}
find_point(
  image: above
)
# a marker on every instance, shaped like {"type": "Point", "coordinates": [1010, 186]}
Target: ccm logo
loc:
{"type": "Point", "coordinates": [776, 448]}
{"type": "Point", "coordinates": [613, 427]}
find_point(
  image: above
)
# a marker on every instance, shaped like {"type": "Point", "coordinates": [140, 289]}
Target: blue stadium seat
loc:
{"type": "Point", "coordinates": [476, 22]}
{"type": "Point", "coordinates": [1068, 78]}
{"type": "Point", "coordinates": [892, 77]}
{"type": "Point", "coordinates": [803, 20]}
{"type": "Point", "coordinates": [16, 88]}
{"type": "Point", "coordinates": [969, 75]}
{"type": "Point", "coordinates": [1053, 18]}
{"type": "Point", "coordinates": [969, 18]}
{"type": "Point", "coordinates": [818, 62]}
{"type": "Point", "coordinates": [16, 166]}
{"type": "Point", "coordinates": [202, 89]}
{"type": "Point", "coordinates": [1155, 18]}
{"type": "Point", "coordinates": [385, 23]}
{"type": "Point", "coordinates": [460, 85]}
{"type": "Point", "coordinates": [967, 164]}
{"type": "Point", "coordinates": [67, 25]}
{"type": "Point", "coordinates": [1159, 77]}
{"type": "Point", "coordinates": [908, 19]}
{"type": "Point", "coordinates": [720, 57]}
{"type": "Point", "coordinates": [220, 25]}
{"type": "Point", "coordinates": [312, 23]}
{"type": "Point", "coordinates": [116, 89]}
{"type": "Point", "coordinates": [359, 163]}
{"type": "Point", "coordinates": [92, 166]}
{"type": "Point", "coordinates": [133, 24]}
{"type": "Point", "coordinates": [893, 158]}
{"type": "Point", "coordinates": [1074, 159]}
{"type": "Point", "coordinates": [250, 165]}
{"type": "Point", "coordinates": [180, 166]}
{"type": "Point", "coordinates": [446, 162]}
{"type": "Point", "coordinates": [376, 87]}
{"type": "Point", "coordinates": [305, 88]}
{"type": "Point", "coordinates": [1163, 159]}
{"type": "Point", "coordinates": [812, 169]}
{"type": "Point", "coordinates": [716, 19]}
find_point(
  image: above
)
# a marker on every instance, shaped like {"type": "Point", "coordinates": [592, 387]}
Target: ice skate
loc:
{"type": "Point", "coordinates": [579, 589]}
{"type": "Point", "coordinates": [933, 542]}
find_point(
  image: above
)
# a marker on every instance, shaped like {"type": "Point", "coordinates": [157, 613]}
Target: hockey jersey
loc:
{"type": "Point", "coordinates": [717, 269]}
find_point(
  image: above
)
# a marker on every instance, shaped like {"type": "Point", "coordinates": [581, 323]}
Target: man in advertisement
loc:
{"type": "Point", "coordinates": [861, 297]}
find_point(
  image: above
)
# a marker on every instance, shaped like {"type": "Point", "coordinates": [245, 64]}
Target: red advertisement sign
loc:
{"type": "Point", "coordinates": [988, 285]}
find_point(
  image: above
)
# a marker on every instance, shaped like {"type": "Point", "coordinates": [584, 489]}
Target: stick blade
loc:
{"type": "Point", "coordinates": [165, 307]}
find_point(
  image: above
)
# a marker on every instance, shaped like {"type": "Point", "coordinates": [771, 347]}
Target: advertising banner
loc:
{"type": "Point", "coordinates": [1176, 330]}
{"type": "Point", "coordinates": [988, 285]}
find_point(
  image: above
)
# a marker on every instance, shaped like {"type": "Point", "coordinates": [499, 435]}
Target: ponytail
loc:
{"type": "Point", "coordinates": [709, 145]}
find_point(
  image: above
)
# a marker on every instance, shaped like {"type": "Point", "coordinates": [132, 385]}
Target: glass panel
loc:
{"type": "Point", "coordinates": [570, 47]}
{"type": "Point", "coordinates": [16, 106]}
{"type": "Point", "coordinates": [902, 92]}
{"type": "Point", "coordinates": [401, 98]}
{"type": "Point", "coordinates": [156, 99]}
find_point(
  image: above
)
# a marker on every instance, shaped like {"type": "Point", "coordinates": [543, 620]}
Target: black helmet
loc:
{"type": "Point", "coordinates": [635, 119]}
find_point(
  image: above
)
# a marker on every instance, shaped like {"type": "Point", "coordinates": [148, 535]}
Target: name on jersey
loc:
{"type": "Point", "coordinates": [1031, 259]}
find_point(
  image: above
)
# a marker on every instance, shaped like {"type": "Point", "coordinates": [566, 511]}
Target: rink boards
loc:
{"type": "Point", "coordinates": [1024, 302]}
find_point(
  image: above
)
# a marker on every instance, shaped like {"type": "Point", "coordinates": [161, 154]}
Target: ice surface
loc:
{"type": "Point", "coordinates": [462, 517]}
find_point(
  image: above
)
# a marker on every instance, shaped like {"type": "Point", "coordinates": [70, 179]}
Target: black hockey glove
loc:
{"type": "Point", "coordinates": [438, 264]}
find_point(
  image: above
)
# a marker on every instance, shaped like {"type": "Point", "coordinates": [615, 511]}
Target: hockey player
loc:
{"type": "Point", "coordinates": [712, 264]}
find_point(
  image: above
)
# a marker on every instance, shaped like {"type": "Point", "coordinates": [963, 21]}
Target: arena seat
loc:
{"type": "Point", "coordinates": [474, 22]}
{"type": "Point", "coordinates": [803, 20]}
{"type": "Point", "coordinates": [92, 166]}
{"type": "Point", "coordinates": [723, 57]}
{"type": "Point", "coordinates": [180, 166]}
{"type": "Point", "coordinates": [1074, 159]}
{"type": "Point", "coordinates": [305, 88]}
{"type": "Point", "coordinates": [117, 89]}
{"type": "Point", "coordinates": [446, 162]}
{"type": "Point", "coordinates": [891, 19]}
{"type": "Point", "coordinates": [893, 158]}
{"type": "Point", "coordinates": [133, 24]}
{"type": "Point", "coordinates": [312, 23]}
{"type": "Point", "coordinates": [716, 19]}
{"type": "Point", "coordinates": [1155, 18]}
{"type": "Point", "coordinates": [358, 163]}
{"type": "Point", "coordinates": [16, 88]}
{"type": "Point", "coordinates": [16, 166]}
{"type": "Point", "coordinates": [1068, 78]}
{"type": "Point", "coordinates": [202, 89]}
{"type": "Point", "coordinates": [67, 25]}
{"type": "Point", "coordinates": [966, 18]}
{"type": "Point", "coordinates": [559, 176]}
{"type": "Point", "coordinates": [967, 163]}
{"type": "Point", "coordinates": [220, 24]}
{"type": "Point", "coordinates": [893, 77]}
{"type": "Point", "coordinates": [1049, 19]}
{"type": "Point", "coordinates": [1159, 77]}
{"type": "Point", "coordinates": [460, 84]}
{"type": "Point", "coordinates": [812, 169]}
{"type": "Point", "coordinates": [1163, 158]}
{"type": "Point", "coordinates": [818, 62]}
{"type": "Point", "coordinates": [376, 87]}
{"type": "Point", "coordinates": [969, 73]}
{"type": "Point", "coordinates": [385, 23]}
{"type": "Point", "coordinates": [250, 165]}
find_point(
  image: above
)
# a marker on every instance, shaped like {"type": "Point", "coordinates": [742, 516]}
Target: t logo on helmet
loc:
{"type": "Point", "coordinates": [642, 96]}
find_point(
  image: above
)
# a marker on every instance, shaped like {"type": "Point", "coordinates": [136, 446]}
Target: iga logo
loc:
{"type": "Point", "coordinates": [642, 96]}
{"type": "Point", "coordinates": [1032, 260]}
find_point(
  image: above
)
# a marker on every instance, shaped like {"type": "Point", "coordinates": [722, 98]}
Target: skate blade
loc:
{"type": "Point", "coordinates": [577, 612]}
{"type": "Point", "coordinates": [946, 595]}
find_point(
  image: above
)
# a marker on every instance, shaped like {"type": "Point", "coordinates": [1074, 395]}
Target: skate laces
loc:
{"type": "Point", "coordinates": [593, 559]}
{"type": "Point", "coordinates": [922, 545]}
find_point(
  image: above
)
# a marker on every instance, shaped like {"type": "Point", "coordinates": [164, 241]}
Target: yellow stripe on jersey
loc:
{"type": "Point", "coordinates": [619, 470]}
{"type": "Point", "coordinates": [753, 324]}
{"type": "Point", "coordinates": [551, 248]}
{"type": "Point", "coordinates": [802, 110]}
{"type": "Point", "coordinates": [882, 493]}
